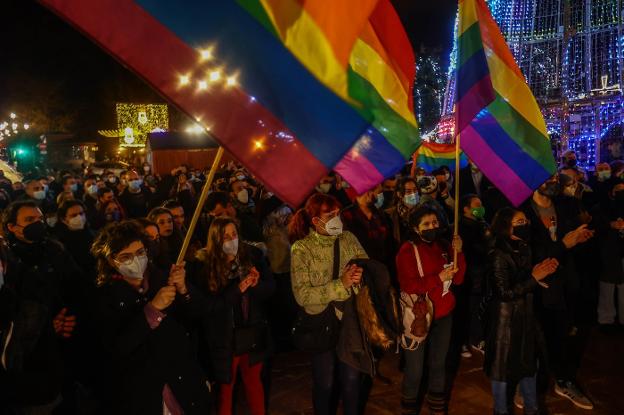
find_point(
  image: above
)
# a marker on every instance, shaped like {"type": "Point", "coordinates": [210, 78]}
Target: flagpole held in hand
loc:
{"type": "Point", "coordinates": [200, 205]}
{"type": "Point", "coordinates": [456, 208]}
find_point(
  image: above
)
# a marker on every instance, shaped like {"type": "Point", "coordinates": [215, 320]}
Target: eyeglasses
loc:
{"type": "Point", "coordinates": [521, 222]}
{"type": "Point", "coordinates": [127, 258]}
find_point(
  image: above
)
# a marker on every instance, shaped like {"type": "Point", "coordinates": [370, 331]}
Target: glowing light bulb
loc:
{"type": "Point", "coordinates": [13, 116]}
{"type": "Point", "coordinates": [215, 75]}
{"type": "Point", "coordinates": [26, 126]}
{"type": "Point", "coordinates": [231, 80]}
{"type": "Point", "coordinates": [205, 54]}
{"type": "Point", "coordinates": [202, 85]}
{"type": "Point", "coordinates": [184, 80]}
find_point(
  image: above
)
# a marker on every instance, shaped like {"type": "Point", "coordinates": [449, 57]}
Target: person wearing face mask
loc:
{"type": "Point", "coordinates": [242, 197]}
{"type": "Point", "coordinates": [436, 198]}
{"type": "Point", "coordinates": [135, 198]}
{"type": "Point", "coordinates": [90, 197]}
{"type": "Point", "coordinates": [557, 232]}
{"type": "Point", "coordinates": [389, 188]}
{"type": "Point", "coordinates": [73, 231]}
{"type": "Point", "coordinates": [609, 218]}
{"type": "Point", "coordinates": [220, 204]}
{"type": "Point", "coordinates": [238, 279]}
{"type": "Point", "coordinates": [601, 182]}
{"type": "Point", "coordinates": [367, 222]}
{"type": "Point", "coordinates": [35, 191]}
{"type": "Point", "coordinates": [406, 199]}
{"type": "Point", "coordinates": [170, 237]}
{"type": "Point", "coordinates": [323, 280]}
{"type": "Point", "coordinates": [143, 318]}
{"type": "Point", "coordinates": [424, 266]}
{"type": "Point", "coordinates": [47, 276]}
{"type": "Point", "coordinates": [477, 238]}
{"type": "Point", "coordinates": [514, 338]}
{"type": "Point", "coordinates": [572, 187]}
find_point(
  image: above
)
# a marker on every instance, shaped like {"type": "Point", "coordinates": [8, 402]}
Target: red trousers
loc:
{"type": "Point", "coordinates": [252, 383]}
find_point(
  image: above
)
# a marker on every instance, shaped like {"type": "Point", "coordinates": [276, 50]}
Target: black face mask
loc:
{"type": "Point", "coordinates": [523, 232]}
{"type": "Point", "coordinates": [35, 232]}
{"type": "Point", "coordinates": [571, 163]}
{"type": "Point", "coordinates": [430, 235]}
{"type": "Point", "coordinates": [619, 195]}
{"type": "Point", "coordinates": [551, 190]}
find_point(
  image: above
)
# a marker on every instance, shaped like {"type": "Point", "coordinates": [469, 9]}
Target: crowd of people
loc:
{"type": "Point", "coordinates": [100, 313]}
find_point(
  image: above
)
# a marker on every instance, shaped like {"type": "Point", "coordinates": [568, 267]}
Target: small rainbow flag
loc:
{"type": "Point", "coordinates": [498, 120]}
{"type": "Point", "coordinates": [286, 86]}
{"type": "Point", "coordinates": [431, 156]}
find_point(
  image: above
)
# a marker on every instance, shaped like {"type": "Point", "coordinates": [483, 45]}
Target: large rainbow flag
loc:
{"type": "Point", "coordinates": [499, 122]}
{"type": "Point", "coordinates": [286, 86]}
{"type": "Point", "coordinates": [431, 156]}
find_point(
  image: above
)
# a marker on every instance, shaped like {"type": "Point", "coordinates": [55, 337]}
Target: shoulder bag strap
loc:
{"type": "Point", "coordinates": [418, 261]}
{"type": "Point", "coordinates": [336, 271]}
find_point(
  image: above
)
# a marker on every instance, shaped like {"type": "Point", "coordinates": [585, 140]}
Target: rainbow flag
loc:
{"type": "Point", "coordinates": [432, 156]}
{"type": "Point", "coordinates": [273, 80]}
{"type": "Point", "coordinates": [499, 122]}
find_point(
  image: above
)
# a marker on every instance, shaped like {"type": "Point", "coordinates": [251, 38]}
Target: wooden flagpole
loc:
{"type": "Point", "coordinates": [200, 205]}
{"type": "Point", "coordinates": [456, 208]}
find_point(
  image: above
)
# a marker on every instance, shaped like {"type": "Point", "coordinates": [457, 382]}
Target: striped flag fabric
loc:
{"type": "Point", "coordinates": [497, 117]}
{"type": "Point", "coordinates": [381, 77]}
{"type": "Point", "coordinates": [273, 80]}
{"type": "Point", "coordinates": [431, 156]}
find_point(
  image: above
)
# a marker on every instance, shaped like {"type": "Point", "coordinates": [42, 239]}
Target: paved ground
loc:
{"type": "Point", "coordinates": [602, 375]}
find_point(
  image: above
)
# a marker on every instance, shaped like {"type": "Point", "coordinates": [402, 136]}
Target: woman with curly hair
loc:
{"type": "Point", "coordinates": [142, 317]}
{"type": "Point", "coordinates": [237, 281]}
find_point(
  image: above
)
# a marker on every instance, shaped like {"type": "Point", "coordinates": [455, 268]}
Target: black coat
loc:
{"type": "Point", "coordinates": [611, 241]}
{"type": "Point", "coordinates": [513, 336]}
{"type": "Point", "coordinates": [78, 244]}
{"type": "Point", "coordinates": [477, 242]}
{"type": "Point", "coordinates": [136, 205]}
{"type": "Point", "coordinates": [222, 313]}
{"type": "Point", "coordinates": [143, 360]}
{"type": "Point", "coordinates": [564, 283]}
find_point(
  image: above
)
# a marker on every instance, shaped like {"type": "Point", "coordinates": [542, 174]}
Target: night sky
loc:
{"type": "Point", "coordinates": [49, 65]}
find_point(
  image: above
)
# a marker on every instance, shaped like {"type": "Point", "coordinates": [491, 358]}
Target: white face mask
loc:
{"type": "Point", "coordinates": [39, 195]}
{"type": "Point", "coordinates": [231, 247]}
{"type": "Point", "coordinates": [135, 269]}
{"type": "Point", "coordinates": [333, 227]}
{"type": "Point", "coordinates": [243, 196]}
{"type": "Point", "coordinates": [51, 221]}
{"type": "Point", "coordinates": [93, 189]}
{"type": "Point", "coordinates": [77, 223]}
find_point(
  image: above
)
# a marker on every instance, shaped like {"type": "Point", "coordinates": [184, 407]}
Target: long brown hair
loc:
{"type": "Point", "coordinates": [301, 222]}
{"type": "Point", "coordinates": [216, 268]}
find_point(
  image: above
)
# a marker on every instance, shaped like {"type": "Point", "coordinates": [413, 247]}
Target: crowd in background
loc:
{"type": "Point", "coordinates": [99, 315]}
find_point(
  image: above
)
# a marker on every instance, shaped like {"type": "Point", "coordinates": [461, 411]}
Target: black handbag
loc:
{"type": "Point", "coordinates": [318, 333]}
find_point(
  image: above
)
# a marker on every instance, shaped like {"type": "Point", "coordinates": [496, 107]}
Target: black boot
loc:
{"type": "Point", "coordinates": [409, 406]}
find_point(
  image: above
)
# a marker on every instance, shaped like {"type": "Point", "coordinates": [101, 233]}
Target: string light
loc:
{"type": "Point", "coordinates": [215, 75]}
{"type": "Point", "coordinates": [202, 85]}
{"type": "Point", "coordinates": [205, 54]}
{"type": "Point", "coordinates": [185, 80]}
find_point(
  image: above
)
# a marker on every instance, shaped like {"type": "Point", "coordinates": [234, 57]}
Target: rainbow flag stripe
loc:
{"type": "Point", "coordinates": [432, 156]}
{"type": "Point", "coordinates": [291, 93]}
{"type": "Point", "coordinates": [497, 117]}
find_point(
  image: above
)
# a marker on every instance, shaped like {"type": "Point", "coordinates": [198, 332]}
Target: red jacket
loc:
{"type": "Point", "coordinates": [432, 257]}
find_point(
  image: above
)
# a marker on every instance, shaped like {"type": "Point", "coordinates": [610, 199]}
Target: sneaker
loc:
{"type": "Point", "coordinates": [465, 352]}
{"type": "Point", "coordinates": [479, 347]}
{"type": "Point", "coordinates": [570, 391]}
{"type": "Point", "coordinates": [518, 400]}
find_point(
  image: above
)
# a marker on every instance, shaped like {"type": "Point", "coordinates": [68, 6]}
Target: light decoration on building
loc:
{"type": "Point", "coordinates": [571, 54]}
{"type": "Point", "coordinates": [135, 121]}
{"type": "Point", "coordinates": [12, 126]}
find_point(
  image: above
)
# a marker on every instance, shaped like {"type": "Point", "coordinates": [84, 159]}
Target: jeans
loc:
{"type": "Point", "coordinates": [252, 383]}
{"type": "Point", "coordinates": [437, 343]}
{"type": "Point", "coordinates": [528, 389]}
{"type": "Point", "coordinates": [324, 370]}
{"type": "Point", "coordinates": [606, 303]}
